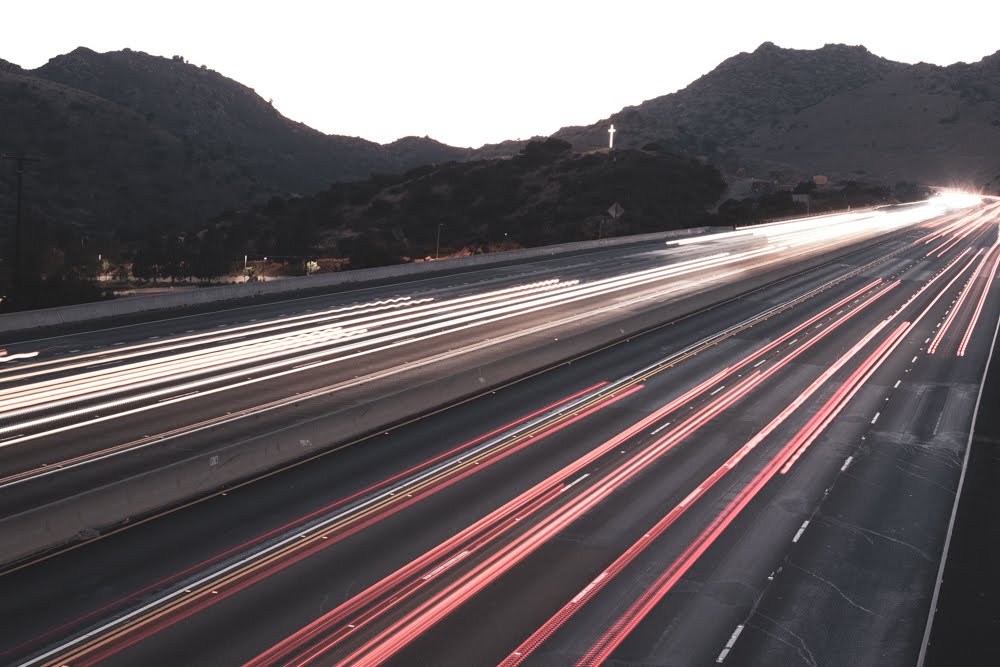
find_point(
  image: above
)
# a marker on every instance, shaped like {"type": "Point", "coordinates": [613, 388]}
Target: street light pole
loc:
{"type": "Point", "coordinates": [437, 244]}
{"type": "Point", "coordinates": [16, 272]}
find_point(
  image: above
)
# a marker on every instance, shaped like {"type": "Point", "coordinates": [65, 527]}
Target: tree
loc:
{"type": "Point", "coordinates": [805, 188]}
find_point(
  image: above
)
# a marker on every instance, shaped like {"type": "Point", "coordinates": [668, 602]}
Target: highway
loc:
{"type": "Point", "coordinates": [766, 481]}
{"type": "Point", "coordinates": [106, 405]}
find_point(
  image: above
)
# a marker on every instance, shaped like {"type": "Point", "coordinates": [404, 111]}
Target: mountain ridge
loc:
{"type": "Point", "coordinates": [745, 114]}
{"type": "Point", "coordinates": [131, 139]}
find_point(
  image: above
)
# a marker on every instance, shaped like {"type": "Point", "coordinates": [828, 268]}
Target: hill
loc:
{"type": "Point", "coordinates": [544, 194]}
{"type": "Point", "coordinates": [838, 110]}
{"type": "Point", "coordinates": [131, 139]}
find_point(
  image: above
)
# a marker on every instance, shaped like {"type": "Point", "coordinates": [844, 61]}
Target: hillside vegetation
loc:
{"type": "Point", "coordinates": [545, 194]}
{"type": "Point", "coordinates": [839, 110]}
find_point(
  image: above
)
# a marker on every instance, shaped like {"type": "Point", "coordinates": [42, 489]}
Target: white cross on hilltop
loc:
{"type": "Point", "coordinates": [611, 136]}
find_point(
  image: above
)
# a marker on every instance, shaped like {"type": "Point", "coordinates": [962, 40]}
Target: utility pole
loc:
{"type": "Point", "coordinates": [16, 269]}
{"type": "Point", "coordinates": [437, 244]}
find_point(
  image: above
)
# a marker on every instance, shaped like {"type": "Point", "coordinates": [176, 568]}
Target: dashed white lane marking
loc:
{"type": "Point", "coordinates": [913, 360]}
{"type": "Point", "coordinates": [660, 428]}
{"type": "Point", "coordinates": [896, 386]}
{"type": "Point", "coordinates": [589, 587]}
{"type": "Point", "coordinates": [802, 529]}
{"type": "Point", "coordinates": [759, 363]}
{"type": "Point", "coordinates": [847, 463]}
{"type": "Point", "coordinates": [717, 390]}
{"type": "Point", "coordinates": [875, 418]}
{"type": "Point", "coordinates": [730, 643]}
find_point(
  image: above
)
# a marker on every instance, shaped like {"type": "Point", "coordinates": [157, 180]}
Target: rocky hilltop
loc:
{"type": "Point", "coordinates": [838, 110]}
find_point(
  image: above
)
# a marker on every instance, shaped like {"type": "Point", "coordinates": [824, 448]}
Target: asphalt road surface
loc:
{"type": "Point", "coordinates": [765, 482]}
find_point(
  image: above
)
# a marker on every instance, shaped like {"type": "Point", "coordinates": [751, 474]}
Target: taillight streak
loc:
{"type": "Point", "coordinates": [781, 462]}
{"type": "Point", "coordinates": [957, 305]}
{"type": "Point", "coordinates": [431, 611]}
{"type": "Point", "coordinates": [612, 638]}
{"type": "Point", "coordinates": [979, 306]}
{"type": "Point", "coordinates": [600, 491]}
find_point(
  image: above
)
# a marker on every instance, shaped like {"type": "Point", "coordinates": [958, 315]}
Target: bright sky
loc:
{"type": "Point", "coordinates": [470, 72]}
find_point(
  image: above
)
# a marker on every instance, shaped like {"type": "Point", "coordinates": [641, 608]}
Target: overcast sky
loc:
{"type": "Point", "coordinates": [472, 72]}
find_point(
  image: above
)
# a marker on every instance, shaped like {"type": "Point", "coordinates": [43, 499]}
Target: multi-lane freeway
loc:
{"type": "Point", "coordinates": [765, 481]}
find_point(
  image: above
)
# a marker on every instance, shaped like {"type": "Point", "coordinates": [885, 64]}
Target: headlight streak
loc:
{"type": "Point", "coordinates": [479, 317]}
{"type": "Point", "coordinates": [712, 381]}
{"type": "Point", "coordinates": [150, 440]}
{"type": "Point", "coordinates": [165, 369]}
{"type": "Point", "coordinates": [418, 310]}
{"type": "Point", "coordinates": [339, 386]}
{"type": "Point", "coordinates": [181, 342]}
{"type": "Point", "coordinates": [190, 386]}
{"type": "Point", "coordinates": [17, 356]}
{"type": "Point", "coordinates": [707, 384]}
{"type": "Point", "coordinates": [129, 379]}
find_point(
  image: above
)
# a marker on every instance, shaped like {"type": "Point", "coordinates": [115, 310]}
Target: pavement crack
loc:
{"type": "Point", "coordinates": [834, 587]}
{"type": "Point", "coordinates": [802, 649]}
{"type": "Point", "coordinates": [903, 470]}
{"type": "Point", "coordinates": [867, 532]}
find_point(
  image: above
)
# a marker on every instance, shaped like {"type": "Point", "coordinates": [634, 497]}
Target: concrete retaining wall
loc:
{"type": "Point", "coordinates": [102, 509]}
{"type": "Point", "coordinates": [94, 311]}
